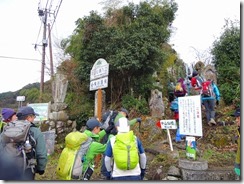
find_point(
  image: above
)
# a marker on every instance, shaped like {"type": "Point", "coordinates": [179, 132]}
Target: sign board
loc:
{"type": "Point", "coordinates": [99, 69]}
{"type": "Point", "coordinates": [20, 98]}
{"type": "Point", "coordinates": [191, 147]}
{"type": "Point", "coordinates": [168, 124]}
{"type": "Point", "coordinates": [190, 115]}
{"type": "Point", "coordinates": [42, 109]}
{"type": "Point", "coordinates": [99, 83]}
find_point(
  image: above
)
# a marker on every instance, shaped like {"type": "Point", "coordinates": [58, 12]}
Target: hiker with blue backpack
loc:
{"type": "Point", "coordinates": [125, 158]}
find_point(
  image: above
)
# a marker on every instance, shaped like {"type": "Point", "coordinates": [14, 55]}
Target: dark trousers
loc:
{"type": "Point", "coordinates": [209, 108]}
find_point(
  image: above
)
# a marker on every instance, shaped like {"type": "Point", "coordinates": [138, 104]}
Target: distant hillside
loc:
{"type": "Point", "coordinates": [8, 99]}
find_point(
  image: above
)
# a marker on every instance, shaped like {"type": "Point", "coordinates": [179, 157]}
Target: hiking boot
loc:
{"type": "Point", "coordinates": [211, 122]}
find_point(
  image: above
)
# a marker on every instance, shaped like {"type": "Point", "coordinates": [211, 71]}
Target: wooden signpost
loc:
{"type": "Point", "coordinates": [99, 80]}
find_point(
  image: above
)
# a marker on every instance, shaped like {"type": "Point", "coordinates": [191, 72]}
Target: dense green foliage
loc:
{"type": "Point", "coordinates": [130, 39]}
{"type": "Point", "coordinates": [227, 60]}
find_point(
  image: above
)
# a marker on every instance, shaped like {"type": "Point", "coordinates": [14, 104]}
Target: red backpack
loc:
{"type": "Point", "coordinates": [207, 89]}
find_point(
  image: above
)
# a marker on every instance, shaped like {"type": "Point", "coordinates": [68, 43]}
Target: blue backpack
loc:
{"type": "Point", "coordinates": [174, 105]}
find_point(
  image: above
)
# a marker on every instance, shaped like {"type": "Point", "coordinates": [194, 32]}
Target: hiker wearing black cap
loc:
{"type": "Point", "coordinates": [237, 164]}
{"type": "Point", "coordinates": [35, 153]}
{"type": "Point", "coordinates": [93, 129]}
{"type": "Point", "coordinates": [124, 113]}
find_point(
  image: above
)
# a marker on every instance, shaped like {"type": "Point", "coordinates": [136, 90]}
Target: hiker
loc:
{"type": "Point", "coordinates": [8, 115]}
{"type": "Point", "coordinates": [76, 161]}
{"type": "Point", "coordinates": [108, 117]}
{"type": "Point", "coordinates": [114, 116]}
{"type": "Point", "coordinates": [93, 129]}
{"type": "Point", "coordinates": [124, 113]}
{"type": "Point", "coordinates": [237, 165]}
{"type": "Point", "coordinates": [196, 83]}
{"type": "Point", "coordinates": [180, 91]}
{"type": "Point", "coordinates": [180, 88]}
{"type": "Point", "coordinates": [8, 169]}
{"type": "Point", "coordinates": [209, 102]}
{"type": "Point", "coordinates": [116, 153]}
{"type": "Point", "coordinates": [27, 115]}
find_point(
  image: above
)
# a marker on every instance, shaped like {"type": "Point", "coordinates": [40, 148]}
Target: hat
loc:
{"type": "Point", "coordinates": [92, 123]}
{"type": "Point", "coordinates": [125, 111]}
{"type": "Point", "coordinates": [237, 113]}
{"type": "Point", "coordinates": [27, 110]}
{"type": "Point", "coordinates": [7, 113]}
{"type": "Point", "coordinates": [194, 73]}
{"type": "Point", "coordinates": [123, 125]}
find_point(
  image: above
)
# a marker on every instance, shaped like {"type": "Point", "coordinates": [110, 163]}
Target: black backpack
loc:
{"type": "Point", "coordinates": [109, 117]}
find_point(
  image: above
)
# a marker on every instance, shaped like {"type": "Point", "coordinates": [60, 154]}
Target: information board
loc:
{"type": "Point", "coordinates": [190, 115]}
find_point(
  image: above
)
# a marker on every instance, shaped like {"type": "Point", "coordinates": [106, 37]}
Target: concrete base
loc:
{"type": "Point", "coordinates": [193, 164]}
{"type": "Point", "coordinates": [213, 175]}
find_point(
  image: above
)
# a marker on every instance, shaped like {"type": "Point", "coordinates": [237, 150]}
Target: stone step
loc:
{"type": "Point", "coordinates": [210, 175]}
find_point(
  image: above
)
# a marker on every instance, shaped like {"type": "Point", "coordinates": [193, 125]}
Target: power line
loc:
{"type": "Point", "coordinates": [8, 57]}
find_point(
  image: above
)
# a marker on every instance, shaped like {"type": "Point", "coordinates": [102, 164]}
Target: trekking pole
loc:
{"type": "Point", "coordinates": [140, 127]}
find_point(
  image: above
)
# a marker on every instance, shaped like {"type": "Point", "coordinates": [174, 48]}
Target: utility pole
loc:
{"type": "Point", "coordinates": [50, 50]}
{"type": "Point", "coordinates": [44, 44]}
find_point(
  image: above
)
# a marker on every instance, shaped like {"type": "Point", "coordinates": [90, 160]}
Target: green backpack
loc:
{"type": "Point", "coordinates": [125, 151]}
{"type": "Point", "coordinates": [70, 163]}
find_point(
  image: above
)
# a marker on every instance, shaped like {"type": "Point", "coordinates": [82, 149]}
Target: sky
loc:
{"type": "Point", "coordinates": [198, 23]}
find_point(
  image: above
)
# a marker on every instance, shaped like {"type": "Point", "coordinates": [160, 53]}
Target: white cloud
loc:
{"type": "Point", "coordinates": [198, 23]}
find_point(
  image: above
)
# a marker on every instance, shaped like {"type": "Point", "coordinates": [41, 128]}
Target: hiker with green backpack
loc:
{"type": "Point", "coordinates": [76, 161]}
{"type": "Point", "coordinates": [111, 117]}
{"type": "Point", "coordinates": [126, 153]}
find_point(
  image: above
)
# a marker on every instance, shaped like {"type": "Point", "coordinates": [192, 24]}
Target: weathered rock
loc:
{"type": "Point", "coordinates": [59, 116]}
{"type": "Point", "coordinates": [52, 124]}
{"type": "Point", "coordinates": [156, 104]}
{"type": "Point", "coordinates": [59, 87]}
{"type": "Point", "coordinates": [209, 72]}
{"type": "Point", "coordinates": [59, 124]}
{"type": "Point", "coordinates": [58, 106]}
{"type": "Point", "coordinates": [172, 178]}
{"type": "Point", "coordinates": [193, 165]}
{"type": "Point", "coordinates": [215, 175]}
{"type": "Point", "coordinates": [174, 171]}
